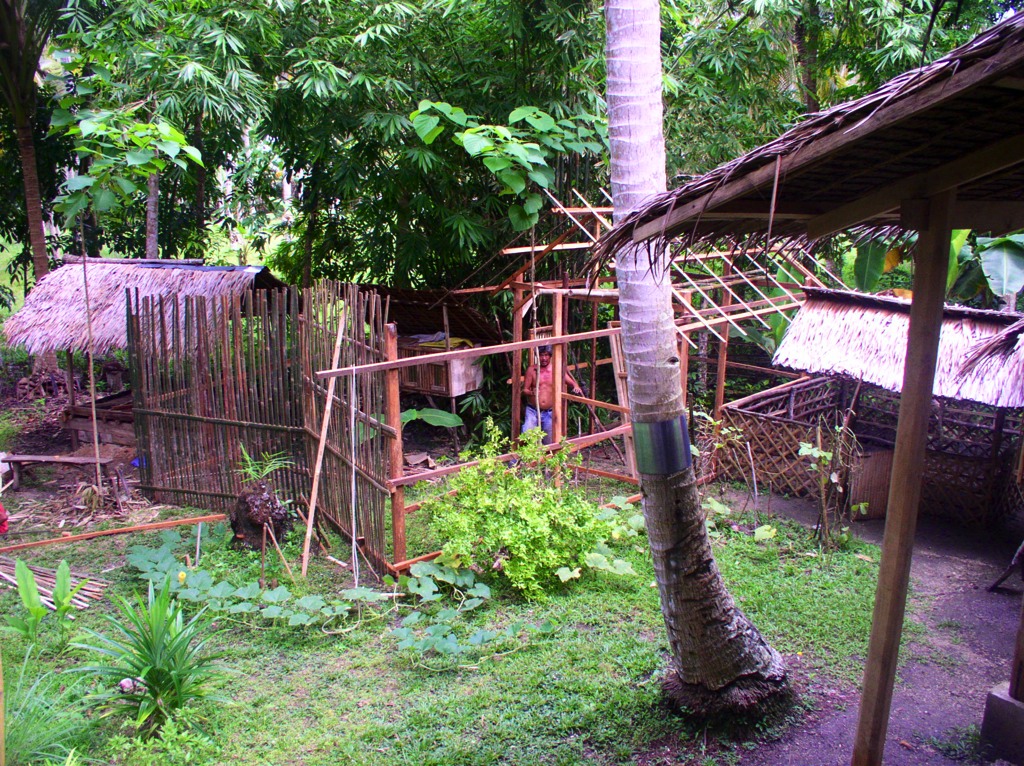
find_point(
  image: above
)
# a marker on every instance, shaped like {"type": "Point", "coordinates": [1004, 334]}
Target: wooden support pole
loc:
{"type": "Point", "coordinates": [686, 296]}
{"type": "Point", "coordinates": [931, 266]}
{"type": "Point", "coordinates": [211, 518]}
{"type": "Point", "coordinates": [517, 363]}
{"type": "Point", "coordinates": [1017, 668]}
{"type": "Point", "coordinates": [393, 415]}
{"type": "Point", "coordinates": [557, 368]}
{"type": "Point", "coordinates": [723, 346]}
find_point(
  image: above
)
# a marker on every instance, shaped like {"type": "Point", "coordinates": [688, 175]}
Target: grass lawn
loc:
{"type": "Point", "coordinates": [587, 693]}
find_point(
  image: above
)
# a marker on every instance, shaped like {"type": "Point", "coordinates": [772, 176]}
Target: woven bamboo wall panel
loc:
{"type": "Point", "coordinates": [970, 446]}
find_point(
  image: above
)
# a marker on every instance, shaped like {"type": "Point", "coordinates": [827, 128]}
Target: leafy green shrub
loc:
{"type": "Point", "coordinates": [44, 717]}
{"type": "Point", "coordinates": [158, 660]}
{"type": "Point", "coordinates": [515, 520]}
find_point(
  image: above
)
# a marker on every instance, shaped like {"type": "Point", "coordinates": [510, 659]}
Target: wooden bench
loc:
{"type": "Point", "coordinates": [20, 463]}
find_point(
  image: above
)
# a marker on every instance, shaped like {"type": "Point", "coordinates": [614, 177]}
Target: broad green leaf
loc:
{"type": "Point", "coordinates": [497, 164]}
{"type": "Point", "coordinates": [76, 183]}
{"type": "Point", "coordinates": [869, 264]}
{"type": "Point", "coordinates": [242, 607]}
{"type": "Point", "coordinates": [765, 532]}
{"type": "Point", "coordinates": [249, 590]}
{"type": "Point", "coordinates": [565, 574]}
{"type": "Point", "coordinates": [1003, 261]}
{"type": "Point", "coordinates": [513, 179]}
{"type": "Point", "coordinates": [443, 418]}
{"type": "Point", "coordinates": [957, 242]}
{"type": "Point", "coordinates": [541, 121]}
{"type": "Point", "coordinates": [426, 127]}
{"type": "Point", "coordinates": [520, 219]}
{"type": "Point", "coordinates": [273, 611]}
{"type": "Point", "coordinates": [194, 154]}
{"type": "Point", "coordinates": [137, 158]}
{"type": "Point", "coordinates": [278, 595]}
{"type": "Point", "coordinates": [311, 603]}
{"type": "Point", "coordinates": [475, 144]}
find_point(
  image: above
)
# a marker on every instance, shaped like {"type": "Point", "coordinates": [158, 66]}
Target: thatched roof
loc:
{"type": "Point", "coordinates": [53, 317]}
{"type": "Point", "coordinates": [956, 122]}
{"type": "Point", "coordinates": [865, 337]}
{"type": "Point", "coordinates": [423, 311]}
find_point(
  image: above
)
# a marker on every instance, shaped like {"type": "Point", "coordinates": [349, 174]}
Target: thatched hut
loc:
{"type": "Point", "coordinates": [854, 347]}
{"type": "Point", "coordinates": [54, 318]}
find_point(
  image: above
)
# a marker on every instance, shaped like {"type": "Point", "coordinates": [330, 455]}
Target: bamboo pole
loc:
{"type": "Point", "coordinates": [517, 363]}
{"type": "Point", "coordinates": [120, 531]}
{"type": "Point", "coordinates": [325, 424]}
{"type": "Point", "coordinates": [905, 486]}
{"type": "Point", "coordinates": [557, 369]}
{"type": "Point", "coordinates": [393, 413]}
{"type": "Point", "coordinates": [723, 348]}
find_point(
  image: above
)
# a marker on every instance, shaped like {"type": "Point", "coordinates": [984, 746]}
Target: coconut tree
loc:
{"type": "Point", "coordinates": [719, 660]}
{"type": "Point", "coordinates": [25, 30]}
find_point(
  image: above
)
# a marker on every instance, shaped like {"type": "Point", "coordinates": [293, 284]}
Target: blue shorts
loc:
{"type": "Point", "coordinates": [531, 421]}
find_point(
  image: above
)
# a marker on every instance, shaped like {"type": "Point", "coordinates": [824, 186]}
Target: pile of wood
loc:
{"type": "Point", "coordinates": [91, 591]}
{"type": "Point", "coordinates": [41, 385]}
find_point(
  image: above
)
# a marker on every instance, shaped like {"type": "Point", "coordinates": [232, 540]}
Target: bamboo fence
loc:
{"type": "Point", "coordinates": [971, 447]}
{"type": "Point", "coordinates": [212, 375]}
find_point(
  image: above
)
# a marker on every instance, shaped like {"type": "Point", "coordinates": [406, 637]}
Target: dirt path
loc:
{"type": "Point", "coordinates": [945, 674]}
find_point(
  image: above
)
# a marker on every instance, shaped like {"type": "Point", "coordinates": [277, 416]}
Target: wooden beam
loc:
{"type": "Point", "coordinates": [970, 167]}
{"type": "Point", "coordinates": [393, 414]}
{"type": "Point", "coordinates": [939, 92]}
{"type": "Point", "coordinates": [905, 486]}
{"type": "Point", "coordinates": [991, 216]}
{"type": "Point", "coordinates": [119, 531]}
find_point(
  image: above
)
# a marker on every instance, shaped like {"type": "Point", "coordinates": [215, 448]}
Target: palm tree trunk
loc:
{"type": "Point", "coordinates": [33, 202]}
{"type": "Point", "coordinates": [719, 660]}
{"type": "Point", "coordinates": [152, 217]}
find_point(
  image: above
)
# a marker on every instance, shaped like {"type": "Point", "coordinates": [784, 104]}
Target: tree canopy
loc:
{"type": "Point", "coordinates": [303, 112]}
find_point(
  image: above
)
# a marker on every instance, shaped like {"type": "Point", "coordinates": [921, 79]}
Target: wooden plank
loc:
{"type": "Point", "coordinates": [393, 412]}
{"type": "Point", "coordinates": [905, 490]}
{"type": "Point", "coordinates": [119, 531]}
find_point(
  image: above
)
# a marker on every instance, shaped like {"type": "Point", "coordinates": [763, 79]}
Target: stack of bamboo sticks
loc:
{"type": "Point", "coordinates": [91, 591]}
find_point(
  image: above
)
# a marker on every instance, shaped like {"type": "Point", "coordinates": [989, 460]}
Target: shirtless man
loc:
{"type": "Point", "coordinates": [539, 393]}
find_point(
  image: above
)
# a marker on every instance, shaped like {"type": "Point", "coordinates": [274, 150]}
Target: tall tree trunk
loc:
{"type": "Point", "coordinates": [152, 217]}
{"type": "Point", "coordinates": [33, 201]}
{"type": "Point", "coordinates": [807, 38]}
{"type": "Point", "coordinates": [719, 660]}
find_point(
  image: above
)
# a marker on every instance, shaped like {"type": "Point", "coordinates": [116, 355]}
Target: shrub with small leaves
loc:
{"type": "Point", "coordinates": [517, 521]}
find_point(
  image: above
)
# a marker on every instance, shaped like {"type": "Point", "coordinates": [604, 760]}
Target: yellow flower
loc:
{"type": "Point", "coordinates": [181, 578]}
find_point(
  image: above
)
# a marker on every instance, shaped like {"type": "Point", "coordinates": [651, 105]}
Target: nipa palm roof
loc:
{"type": "Point", "coordinates": [54, 315]}
{"type": "Point", "coordinates": [955, 123]}
{"type": "Point", "coordinates": [865, 337]}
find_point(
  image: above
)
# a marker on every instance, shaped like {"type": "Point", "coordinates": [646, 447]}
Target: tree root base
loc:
{"type": "Point", "coordinates": [758, 694]}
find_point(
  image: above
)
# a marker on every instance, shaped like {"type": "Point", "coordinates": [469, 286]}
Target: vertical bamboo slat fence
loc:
{"type": "Point", "coordinates": [209, 376]}
{"type": "Point", "coordinates": [357, 424]}
{"type": "Point", "coordinates": [212, 375]}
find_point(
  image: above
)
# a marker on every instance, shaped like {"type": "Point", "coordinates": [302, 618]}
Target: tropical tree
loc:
{"type": "Point", "coordinates": [25, 30]}
{"type": "Point", "coordinates": [188, 62]}
{"type": "Point", "coordinates": [719, 660]}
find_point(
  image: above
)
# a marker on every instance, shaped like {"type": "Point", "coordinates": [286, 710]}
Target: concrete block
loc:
{"type": "Point", "coordinates": [1002, 728]}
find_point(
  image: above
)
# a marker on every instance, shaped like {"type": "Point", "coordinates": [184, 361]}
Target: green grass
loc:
{"type": "Point", "coordinates": [588, 694]}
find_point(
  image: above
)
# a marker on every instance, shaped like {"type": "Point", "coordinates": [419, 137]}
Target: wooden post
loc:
{"type": "Point", "coordinates": [931, 266]}
{"type": "Point", "coordinates": [684, 348]}
{"type": "Point", "coordinates": [723, 345]}
{"type": "Point", "coordinates": [557, 368]}
{"type": "Point", "coordinates": [517, 363]}
{"type": "Point", "coordinates": [592, 389]}
{"type": "Point", "coordinates": [393, 415]}
{"type": "Point", "coordinates": [1017, 668]}
{"type": "Point", "coordinates": [70, 383]}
